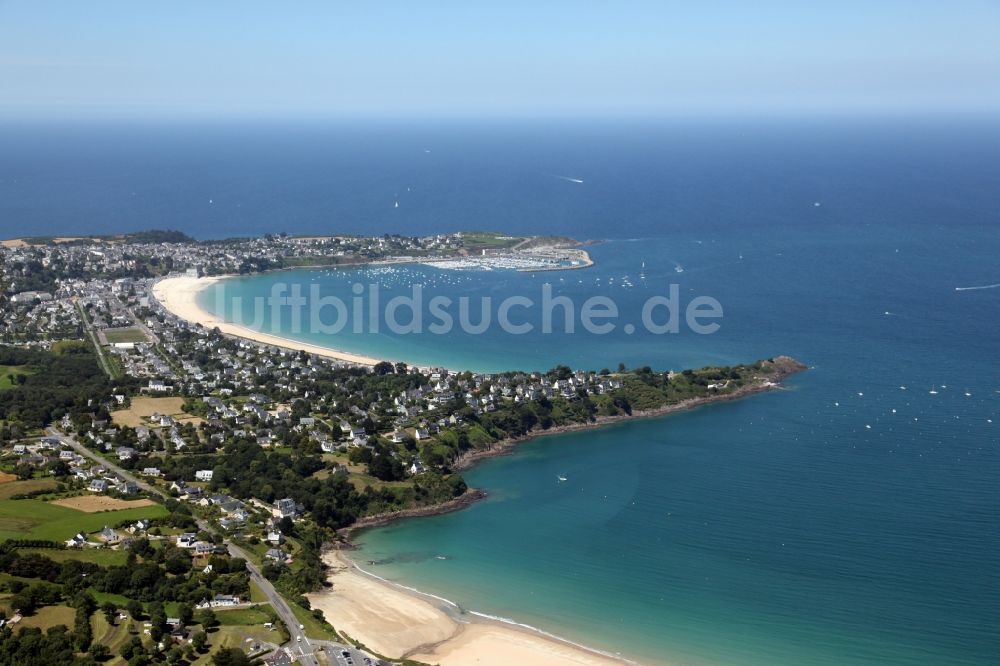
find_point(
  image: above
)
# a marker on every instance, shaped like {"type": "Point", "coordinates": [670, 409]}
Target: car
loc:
{"type": "Point", "coordinates": [299, 638]}
{"type": "Point", "coordinates": [345, 653]}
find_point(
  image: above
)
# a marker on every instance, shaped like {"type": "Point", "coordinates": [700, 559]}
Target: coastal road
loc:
{"type": "Point", "coordinates": [304, 649]}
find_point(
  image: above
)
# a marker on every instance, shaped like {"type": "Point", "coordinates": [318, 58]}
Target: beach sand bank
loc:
{"type": "Point", "coordinates": [178, 294]}
{"type": "Point", "coordinates": [398, 623]}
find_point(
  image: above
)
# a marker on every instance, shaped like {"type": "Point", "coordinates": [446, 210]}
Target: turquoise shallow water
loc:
{"type": "Point", "coordinates": [779, 530]}
{"type": "Point", "coordinates": [813, 525]}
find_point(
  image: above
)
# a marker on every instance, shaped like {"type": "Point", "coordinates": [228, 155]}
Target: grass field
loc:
{"type": "Point", "coordinates": [114, 636]}
{"type": "Point", "coordinates": [143, 407]}
{"type": "Point", "coordinates": [102, 556]}
{"type": "Point", "coordinates": [96, 503]}
{"type": "Point", "coordinates": [238, 637]}
{"type": "Point", "coordinates": [133, 334]}
{"type": "Point", "coordinates": [313, 627]}
{"type": "Point", "coordinates": [256, 615]}
{"type": "Point", "coordinates": [9, 489]}
{"type": "Point", "coordinates": [9, 372]}
{"type": "Point", "coordinates": [34, 519]}
{"type": "Point", "coordinates": [48, 616]}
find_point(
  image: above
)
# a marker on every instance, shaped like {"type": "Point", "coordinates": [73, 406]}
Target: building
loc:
{"type": "Point", "coordinates": [285, 508]}
{"type": "Point", "coordinates": [203, 475]}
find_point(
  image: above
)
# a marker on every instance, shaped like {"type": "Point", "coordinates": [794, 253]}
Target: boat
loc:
{"type": "Point", "coordinates": [561, 478]}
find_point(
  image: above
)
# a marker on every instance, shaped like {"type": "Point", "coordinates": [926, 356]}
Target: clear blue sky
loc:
{"type": "Point", "coordinates": [417, 58]}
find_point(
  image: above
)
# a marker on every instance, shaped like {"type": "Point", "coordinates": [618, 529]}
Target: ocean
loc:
{"type": "Point", "coordinates": [844, 520]}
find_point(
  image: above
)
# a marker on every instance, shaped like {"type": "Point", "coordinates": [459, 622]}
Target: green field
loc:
{"type": "Point", "coordinates": [47, 616]}
{"type": "Point", "coordinates": [313, 627]}
{"type": "Point", "coordinates": [11, 488]}
{"type": "Point", "coordinates": [238, 637]}
{"type": "Point", "coordinates": [255, 615]}
{"type": "Point", "coordinates": [114, 335]}
{"type": "Point", "coordinates": [8, 374]}
{"type": "Point", "coordinates": [489, 239]}
{"type": "Point", "coordinates": [34, 519]}
{"type": "Point", "coordinates": [101, 556]}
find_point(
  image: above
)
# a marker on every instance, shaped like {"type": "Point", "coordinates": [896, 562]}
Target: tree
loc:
{"type": "Point", "coordinates": [110, 612]}
{"type": "Point", "coordinates": [207, 618]}
{"type": "Point", "coordinates": [134, 609]}
{"type": "Point", "coordinates": [99, 651]}
{"type": "Point", "coordinates": [157, 620]}
{"type": "Point", "coordinates": [230, 657]}
{"type": "Point", "coordinates": [185, 613]}
{"type": "Point", "coordinates": [199, 640]}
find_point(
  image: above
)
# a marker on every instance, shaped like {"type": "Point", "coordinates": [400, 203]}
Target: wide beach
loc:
{"type": "Point", "coordinates": [397, 623]}
{"type": "Point", "coordinates": [179, 295]}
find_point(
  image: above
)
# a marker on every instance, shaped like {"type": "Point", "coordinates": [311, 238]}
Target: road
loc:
{"type": "Point", "coordinates": [93, 339]}
{"type": "Point", "coordinates": [304, 649]}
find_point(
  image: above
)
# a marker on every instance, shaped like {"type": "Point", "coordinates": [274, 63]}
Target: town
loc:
{"type": "Point", "coordinates": [132, 437]}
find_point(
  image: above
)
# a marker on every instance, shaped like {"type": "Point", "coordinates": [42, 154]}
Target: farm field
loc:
{"type": "Point", "coordinates": [34, 519]}
{"type": "Point", "coordinates": [11, 487]}
{"type": "Point", "coordinates": [102, 556]}
{"type": "Point", "coordinates": [143, 407]}
{"type": "Point", "coordinates": [96, 503]}
{"type": "Point", "coordinates": [115, 335]}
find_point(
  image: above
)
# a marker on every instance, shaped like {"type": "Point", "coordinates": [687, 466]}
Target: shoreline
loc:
{"type": "Point", "coordinates": [506, 447]}
{"type": "Point", "coordinates": [473, 637]}
{"type": "Point", "coordinates": [178, 295]}
{"type": "Point", "coordinates": [400, 622]}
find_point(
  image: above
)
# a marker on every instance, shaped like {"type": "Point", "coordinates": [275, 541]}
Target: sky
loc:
{"type": "Point", "coordinates": [495, 58]}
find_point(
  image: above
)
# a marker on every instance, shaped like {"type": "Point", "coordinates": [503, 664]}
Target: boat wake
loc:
{"type": "Point", "coordinates": [985, 286]}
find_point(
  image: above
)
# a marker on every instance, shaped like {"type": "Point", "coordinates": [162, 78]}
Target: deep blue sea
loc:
{"type": "Point", "coordinates": [845, 520]}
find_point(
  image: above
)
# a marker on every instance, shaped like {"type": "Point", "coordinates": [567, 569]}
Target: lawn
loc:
{"type": "Point", "coordinates": [34, 519]}
{"type": "Point", "coordinates": [239, 637]}
{"type": "Point", "coordinates": [115, 335]}
{"type": "Point", "coordinates": [256, 594]}
{"type": "Point", "coordinates": [114, 636]}
{"type": "Point", "coordinates": [255, 615]}
{"type": "Point", "coordinates": [8, 375]}
{"type": "Point", "coordinates": [48, 616]}
{"type": "Point", "coordinates": [313, 627]}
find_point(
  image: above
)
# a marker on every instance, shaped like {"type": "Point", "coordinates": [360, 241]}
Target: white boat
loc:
{"type": "Point", "coordinates": [561, 478]}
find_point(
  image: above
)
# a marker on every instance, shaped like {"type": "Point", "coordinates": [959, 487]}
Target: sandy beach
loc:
{"type": "Point", "coordinates": [178, 294]}
{"type": "Point", "coordinates": [399, 623]}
